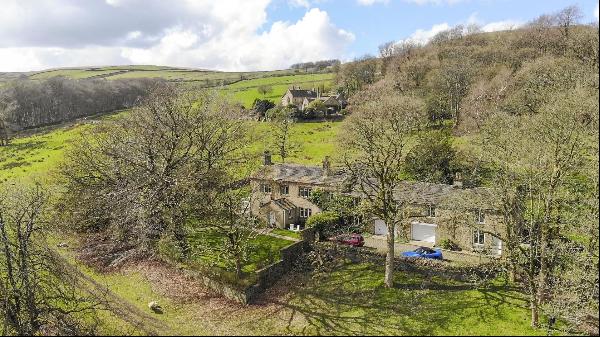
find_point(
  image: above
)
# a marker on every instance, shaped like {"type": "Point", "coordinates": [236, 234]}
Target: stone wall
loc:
{"type": "Point", "coordinates": [473, 273]}
{"type": "Point", "coordinates": [230, 292]}
{"type": "Point", "coordinates": [266, 277]}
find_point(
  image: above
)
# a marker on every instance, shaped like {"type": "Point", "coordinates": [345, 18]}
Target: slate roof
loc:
{"type": "Point", "coordinates": [284, 204]}
{"type": "Point", "coordinates": [303, 93]}
{"type": "Point", "coordinates": [422, 193]}
{"type": "Point", "coordinates": [412, 192]}
{"type": "Point", "coordinates": [299, 174]}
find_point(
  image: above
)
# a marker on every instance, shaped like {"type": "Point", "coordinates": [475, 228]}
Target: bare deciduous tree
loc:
{"type": "Point", "coordinates": [230, 217]}
{"type": "Point", "coordinates": [376, 137]}
{"type": "Point", "coordinates": [537, 157]}
{"type": "Point", "coordinates": [142, 176]}
{"type": "Point", "coordinates": [283, 120]}
{"type": "Point", "coordinates": [37, 294]}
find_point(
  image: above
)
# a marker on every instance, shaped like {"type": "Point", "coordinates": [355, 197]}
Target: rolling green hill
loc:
{"type": "Point", "coordinates": [241, 86]}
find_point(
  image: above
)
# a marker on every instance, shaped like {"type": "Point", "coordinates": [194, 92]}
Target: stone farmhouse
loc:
{"type": "Point", "coordinates": [302, 98]}
{"type": "Point", "coordinates": [436, 212]}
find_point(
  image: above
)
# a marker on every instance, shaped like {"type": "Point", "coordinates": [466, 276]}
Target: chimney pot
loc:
{"type": "Point", "coordinates": [457, 182]}
{"type": "Point", "coordinates": [267, 159]}
{"type": "Point", "coordinates": [326, 166]}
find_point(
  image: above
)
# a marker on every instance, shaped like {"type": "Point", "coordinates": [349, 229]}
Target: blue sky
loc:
{"type": "Point", "coordinates": [237, 35]}
{"type": "Point", "coordinates": [398, 19]}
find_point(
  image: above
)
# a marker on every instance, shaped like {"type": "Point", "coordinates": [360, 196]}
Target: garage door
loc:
{"type": "Point", "coordinates": [380, 227]}
{"type": "Point", "coordinates": [423, 232]}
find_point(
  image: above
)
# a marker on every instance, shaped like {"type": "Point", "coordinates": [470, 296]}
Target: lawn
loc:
{"type": "Point", "coordinates": [263, 252]}
{"type": "Point", "coordinates": [351, 300]}
{"type": "Point", "coordinates": [37, 157]}
{"type": "Point", "coordinates": [247, 91]}
{"type": "Point", "coordinates": [288, 233]}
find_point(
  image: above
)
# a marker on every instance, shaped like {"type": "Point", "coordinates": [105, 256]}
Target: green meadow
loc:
{"type": "Point", "coordinates": [37, 157]}
{"type": "Point", "coordinates": [247, 91]}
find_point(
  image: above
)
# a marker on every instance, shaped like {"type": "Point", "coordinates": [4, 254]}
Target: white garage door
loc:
{"type": "Point", "coordinates": [423, 232]}
{"type": "Point", "coordinates": [380, 227]}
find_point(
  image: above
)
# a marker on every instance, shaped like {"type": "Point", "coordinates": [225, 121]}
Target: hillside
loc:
{"type": "Point", "coordinates": [464, 77]}
{"type": "Point", "coordinates": [134, 194]}
{"type": "Point", "coordinates": [81, 92]}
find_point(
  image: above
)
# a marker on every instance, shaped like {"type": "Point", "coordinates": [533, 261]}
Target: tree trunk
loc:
{"type": "Point", "coordinates": [238, 267]}
{"type": "Point", "coordinates": [389, 259]}
{"type": "Point", "coordinates": [535, 310]}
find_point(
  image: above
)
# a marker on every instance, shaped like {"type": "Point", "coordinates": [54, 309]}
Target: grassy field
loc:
{"type": "Point", "coordinates": [288, 233]}
{"type": "Point", "coordinates": [37, 157]}
{"type": "Point", "coordinates": [241, 86]}
{"type": "Point", "coordinates": [351, 300]}
{"type": "Point", "coordinates": [247, 91]}
{"type": "Point", "coordinates": [265, 250]}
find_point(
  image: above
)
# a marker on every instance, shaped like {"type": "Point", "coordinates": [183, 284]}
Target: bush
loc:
{"type": "Point", "coordinates": [169, 249]}
{"type": "Point", "coordinates": [321, 221]}
{"type": "Point", "coordinates": [450, 245]}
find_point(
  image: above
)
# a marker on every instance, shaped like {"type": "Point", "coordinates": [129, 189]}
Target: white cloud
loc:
{"type": "Point", "coordinates": [313, 37]}
{"type": "Point", "coordinates": [501, 25]}
{"type": "Point", "coordinates": [186, 33]}
{"type": "Point", "coordinates": [434, 2]}
{"type": "Point", "coordinates": [299, 3]}
{"type": "Point", "coordinates": [422, 36]}
{"type": "Point", "coordinates": [596, 12]}
{"type": "Point", "coordinates": [371, 2]}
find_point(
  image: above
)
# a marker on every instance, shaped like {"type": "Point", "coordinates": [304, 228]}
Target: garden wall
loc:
{"type": "Point", "coordinates": [427, 267]}
{"type": "Point", "coordinates": [265, 277]}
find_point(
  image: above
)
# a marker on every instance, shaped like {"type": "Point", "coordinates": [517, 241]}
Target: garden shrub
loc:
{"type": "Point", "coordinates": [322, 221]}
{"type": "Point", "coordinates": [169, 249]}
{"type": "Point", "coordinates": [450, 245]}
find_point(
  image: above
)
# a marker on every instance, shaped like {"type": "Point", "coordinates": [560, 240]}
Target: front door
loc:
{"type": "Point", "coordinates": [380, 227]}
{"type": "Point", "coordinates": [496, 246]}
{"type": "Point", "coordinates": [272, 219]}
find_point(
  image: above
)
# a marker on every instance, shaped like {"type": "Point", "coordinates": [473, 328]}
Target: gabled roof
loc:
{"type": "Point", "coordinates": [284, 204]}
{"type": "Point", "coordinates": [423, 193]}
{"type": "Point", "coordinates": [411, 192]}
{"type": "Point", "coordinates": [299, 174]}
{"type": "Point", "coordinates": [302, 93]}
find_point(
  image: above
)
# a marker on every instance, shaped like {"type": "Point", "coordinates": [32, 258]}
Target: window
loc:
{"type": "Point", "coordinates": [305, 212]}
{"type": "Point", "coordinates": [431, 211]}
{"type": "Point", "coordinates": [284, 189]}
{"type": "Point", "coordinates": [480, 216]}
{"type": "Point", "coordinates": [304, 192]}
{"type": "Point", "coordinates": [265, 188]}
{"type": "Point", "coordinates": [478, 238]}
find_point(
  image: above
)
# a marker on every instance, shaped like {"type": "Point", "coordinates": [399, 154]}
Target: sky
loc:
{"type": "Point", "coordinates": [237, 35]}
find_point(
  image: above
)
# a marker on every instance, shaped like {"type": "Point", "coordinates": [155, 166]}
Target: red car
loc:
{"type": "Point", "coordinates": [354, 240]}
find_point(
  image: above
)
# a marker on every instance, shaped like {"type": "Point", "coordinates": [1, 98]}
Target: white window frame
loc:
{"type": "Point", "coordinates": [305, 213]}
{"type": "Point", "coordinates": [478, 238]}
{"type": "Point", "coordinates": [284, 189]}
{"type": "Point", "coordinates": [302, 191]}
{"type": "Point", "coordinates": [480, 217]}
{"type": "Point", "coordinates": [431, 211]}
{"type": "Point", "coordinates": [265, 188]}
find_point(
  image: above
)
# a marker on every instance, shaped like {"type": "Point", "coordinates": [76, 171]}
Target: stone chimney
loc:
{"type": "Point", "coordinates": [326, 166]}
{"type": "Point", "coordinates": [457, 182]}
{"type": "Point", "coordinates": [267, 159]}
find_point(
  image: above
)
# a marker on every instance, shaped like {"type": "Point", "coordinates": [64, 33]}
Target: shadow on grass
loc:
{"type": "Point", "coordinates": [29, 146]}
{"type": "Point", "coordinates": [353, 301]}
